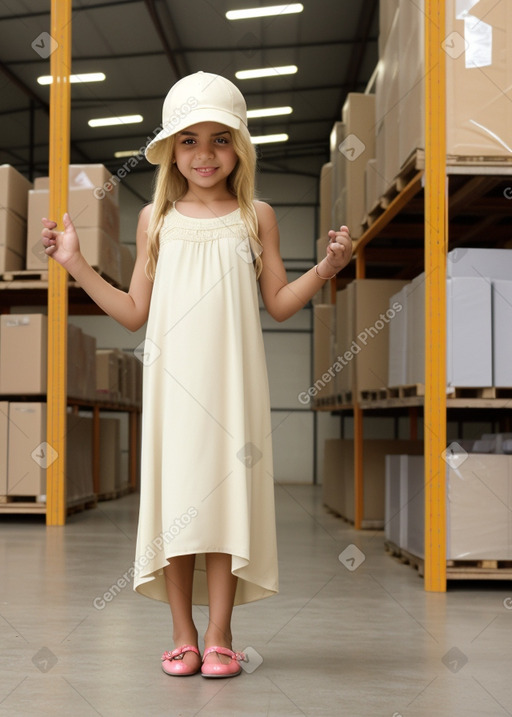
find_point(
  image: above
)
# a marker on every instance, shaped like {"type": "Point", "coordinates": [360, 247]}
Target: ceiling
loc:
{"type": "Point", "coordinates": [144, 46]}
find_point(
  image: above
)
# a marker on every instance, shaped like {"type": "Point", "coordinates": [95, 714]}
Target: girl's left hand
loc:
{"type": "Point", "coordinates": [339, 249]}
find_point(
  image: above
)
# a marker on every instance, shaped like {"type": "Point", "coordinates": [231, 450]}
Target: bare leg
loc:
{"type": "Point", "coordinates": [179, 576]}
{"type": "Point", "coordinates": [221, 595]}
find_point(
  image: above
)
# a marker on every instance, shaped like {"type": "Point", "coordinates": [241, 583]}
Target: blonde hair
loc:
{"type": "Point", "coordinates": [171, 185]}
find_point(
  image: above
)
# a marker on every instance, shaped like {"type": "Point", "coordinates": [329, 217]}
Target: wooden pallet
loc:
{"type": "Point", "coordinates": [405, 557]}
{"type": "Point", "coordinates": [30, 505]}
{"type": "Point", "coordinates": [484, 392]}
{"type": "Point", "coordinates": [456, 569]}
{"type": "Point", "coordinates": [414, 163]}
{"type": "Point", "coordinates": [115, 494]}
{"type": "Point", "coordinates": [25, 275]}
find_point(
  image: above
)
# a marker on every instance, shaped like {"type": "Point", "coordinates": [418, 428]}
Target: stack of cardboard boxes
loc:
{"type": "Point", "coordinates": [14, 190]}
{"type": "Point", "coordinates": [94, 212]}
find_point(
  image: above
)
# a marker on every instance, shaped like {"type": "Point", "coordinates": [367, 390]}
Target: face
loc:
{"type": "Point", "coordinates": [204, 153]}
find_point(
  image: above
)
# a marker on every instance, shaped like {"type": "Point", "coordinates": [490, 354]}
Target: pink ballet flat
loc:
{"type": "Point", "coordinates": [172, 662]}
{"type": "Point", "coordinates": [218, 669]}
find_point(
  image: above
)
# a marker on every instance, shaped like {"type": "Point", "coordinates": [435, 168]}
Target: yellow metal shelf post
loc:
{"type": "Point", "coordinates": [435, 296]}
{"type": "Point", "coordinates": [60, 108]}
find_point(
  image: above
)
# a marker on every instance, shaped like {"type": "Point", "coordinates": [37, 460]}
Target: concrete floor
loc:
{"type": "Point", "coordinates": [363, 642]}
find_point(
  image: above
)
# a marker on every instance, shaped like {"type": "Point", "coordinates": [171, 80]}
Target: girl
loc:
{"type": "Point", "coordinates": [206, 531]}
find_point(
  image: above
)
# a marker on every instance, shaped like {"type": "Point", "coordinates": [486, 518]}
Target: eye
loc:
{"type": "Point", "coordinates": [222, 140]}
{"type": "Point", "coordinates": [188, 140]}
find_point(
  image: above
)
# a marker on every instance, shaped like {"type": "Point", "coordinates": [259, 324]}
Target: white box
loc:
{"type": "Point", "coordinates": [412, 502]}
{"type": "Point", "coordinates": [469, 332]}
{"type": "Point", "coordinates": [397, 371]}
{"type": "Point", "coordinates": [502, 332]}
{"type": "Point", "coordinates": [415, 331]}
{"type": "Point", "coordinates": [491, 263]}
{"type": "Point", "coordinates": [392, 500]}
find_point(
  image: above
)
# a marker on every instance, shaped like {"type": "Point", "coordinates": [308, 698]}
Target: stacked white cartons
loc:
{"type": "Point", "coordinates": [469, 332]}
{"type": "Point", "coordinates": [397, 370]}
{"type": "Point", "coordinates": [405, 502]}
{"type": "Point", "coordinates": [371, 182]}
{"type": "Point", "coordinates": [416, 331]}
{"type": "Point", "coordinates": [334, 474]}
{"type": "Point", "coordinates": [392, 513]}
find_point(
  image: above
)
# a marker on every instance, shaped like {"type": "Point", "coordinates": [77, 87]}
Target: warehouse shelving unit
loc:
{"type": "Point", "coordinates": [34, 292]}
{"type": "Point", "coordinates": [60, 294]}
{"type": "Point", "coordinates": [456, 189]}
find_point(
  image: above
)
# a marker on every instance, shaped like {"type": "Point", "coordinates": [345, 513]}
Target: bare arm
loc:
{"type": "Point", "coordinates": [283, 299]}
{"type": "Point", "coordinates": [128, 308]}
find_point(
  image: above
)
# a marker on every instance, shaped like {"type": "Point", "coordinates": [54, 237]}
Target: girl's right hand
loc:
{"type": "Point", "coordinates": [63, 246]}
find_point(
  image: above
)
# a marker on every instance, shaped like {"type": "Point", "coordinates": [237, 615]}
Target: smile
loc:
{"type": "Point", "coordinates": [206, 171]}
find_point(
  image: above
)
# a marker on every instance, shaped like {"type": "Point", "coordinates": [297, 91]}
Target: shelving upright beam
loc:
{"type": "Point", "coordinates": [436, 237]}
{"type": "Point", "coordinates": [59, 45]}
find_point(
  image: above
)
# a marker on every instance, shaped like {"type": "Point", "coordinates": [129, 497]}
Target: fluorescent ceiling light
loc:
{"type": "Point", "coordinates": [289, 9]}
{"type": "Point", "coordinates": [127, 153]}
{"type": "Point", "coordinates": [266, 138]}
{"type": "Point", "coordinates": [84, 77]}
{"type": "Point", "coordinates": [270, 112]}
{"type": "Point", "coordinates": [112, 121]}
{"type": "Point", "coordinates": [266, 72]}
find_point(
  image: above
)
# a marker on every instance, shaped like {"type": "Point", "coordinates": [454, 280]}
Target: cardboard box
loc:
{"type": "Point", "coordinates": [478, 80]}
{"type": "Point", "coordinates": [79, 459]}
{"type": "Point", "coordinates": [478, 77]}
{"type": "Point", "coordinates": [110, 455]}
{"type": "Point", "coordinates": [23, 349]}
{"type": "Point", "coordinates": [13, 190]}
{"type": "Point", "coordinates": [370, 331]}
{"type": "Point", "coordinates": [4, 442]}
{"type": "Point", "coordinates": [85, 210]}
{"type": "Point", "coordinates": [370, 185]}
{"type": "Point", "coordinates": [326, 190]}
{"type": "Point", "coordinates": [479, 508]}
{"type": "Point", "coordinates": [75, 362]}
{"type": "Point", "coordinates": [374, 476]}
{"type": "Point", "coordinates": [387, 100]}
{"type": "Point", "coordinates": [127, 264]}
{"type": "Point", "coordinates": [501, 332]}
{"type": "Point", "coordinates": [411, 79]}
{"type": "Point", "coordinates": [88, 373]}
{"type": "Point", "coordinates": [12, 240]}
{"type": "Point", "coordinates": [107, 375]}
{"type": "Point", "coordinates": [469, 332]}
{"type": "Point", "coordinates": [323, 335]}
{"type": "Point", "coordinates": [338, 164]}
{"type": "Point", "coordinates": [344, 339]}
{"type": "Point", "coordinates": [28, 453]}
{"type": "Point", "coordinates": [357, 148]}
{"type": "Point", "coordinates": [88, 176]}
{"type": "Point", "coordinates": [335, 473]}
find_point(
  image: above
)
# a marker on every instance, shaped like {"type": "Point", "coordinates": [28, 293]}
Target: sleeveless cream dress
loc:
{"type": "Point", "coordinates": [206, 474]}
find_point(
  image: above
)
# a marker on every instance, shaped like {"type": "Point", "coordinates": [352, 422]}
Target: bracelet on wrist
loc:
{"type": "Point", "coordinates": [324, 278]}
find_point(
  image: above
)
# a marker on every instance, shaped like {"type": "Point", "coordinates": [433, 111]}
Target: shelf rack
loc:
{"type": "Point", "coordinates": [422, 201]}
